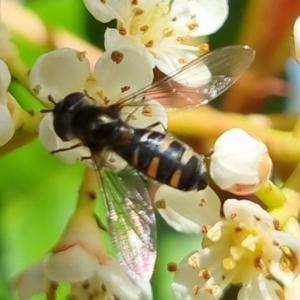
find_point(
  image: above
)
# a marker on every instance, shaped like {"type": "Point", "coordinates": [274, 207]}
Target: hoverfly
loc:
{"type": "Point", "coordinates": [155, 154]}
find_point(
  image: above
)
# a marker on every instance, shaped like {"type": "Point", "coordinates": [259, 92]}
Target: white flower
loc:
{"type": "Point", "coordinates": [297, 39]}
{"type": "Point", "coordinates": [240, 163]}
{"type": "Point", "coordinates": [117, 73]}
{"type": "Point", "coordinates": [79, 259]}
{"type": "Point", "coordinates": [160, 27]}
{"type": "Point", "coordinates": [188, 212]}
{"type": "Point", "coordinates": [7, 127]}
{"type": "Point", "coordinates": [243, 248]}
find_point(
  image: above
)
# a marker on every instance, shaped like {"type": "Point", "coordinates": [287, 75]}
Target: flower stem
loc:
{"type": "Point", "coordinates": [293, 182]}
{"type": "Point", "coordinates": [271, 195]}
{"type": "Point", "coordinates": [19, 70]}
{"type": "Point", "coordinates": [291, 191]}
{"type": "Point", "coordinates": [24, 120]}
{"type": "Point", "coordinates": [296, 128]}
{"type": "Point", "coordinates": [26, 126]}
{"type": "Point", "coordinates": [88, 192]}
{"type": "Point", "coordinates": [206, 124]}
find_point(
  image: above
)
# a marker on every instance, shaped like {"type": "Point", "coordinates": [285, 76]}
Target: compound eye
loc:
{"type": "Point", "coordinates": [74, 98]}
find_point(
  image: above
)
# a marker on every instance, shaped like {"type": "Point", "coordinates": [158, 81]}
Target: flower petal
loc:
{"type": "Point", "coordinates": [146, 115]}
{"type": "Point", "coordinates": [116, 281]}
{"type": "Point", "coordinates": [146, 289]}
{"type": "Point", "coordinates": [199, 17]}
{"type": "Point", "coordinates": [5, 79]}
{"type": "Point", "coordinates": [170, 61]}
{"type": "Point", "coordinates": [105, 11]}
{"type": "Point", "coordinates": [113, 39]}
{"type": "Point", "coordinates": [239, 160]}
{"type": "Point", "coordinates": [190, 280]}
{"type": "Point", "coordinates": [297, 39]}
{"type": "Point", "coordinates": [263, 289]}
{"type": "Point", "coordinates": [59, 73]}
{"type": "Point", "coordinates": [287, 268]}
{"type": "Point", "coordinates": [52, 142]}
{"type": "Point", "coordinates": [31, 282]}
{"type": "Point", "coordinates": [188, 211]}
{"type": "Point", "coordinates": [292, 290]}
{"type": "Point", "coordinates": [113, 160]}
{"type": "Point", "coordinates": [247, 212]}
{"type": "Point", "coordinates": [122, 71]}
{"type": "Point", "coordinates": [71, 265]}
{"type": "Point", "coordinates": [7, 127]}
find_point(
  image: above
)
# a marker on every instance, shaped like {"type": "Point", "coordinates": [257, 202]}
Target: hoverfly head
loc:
{"type": "Point", "coordinates": [64, 113]}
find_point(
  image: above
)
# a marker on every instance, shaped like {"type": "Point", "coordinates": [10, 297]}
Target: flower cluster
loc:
{"type": "Point", "coordinates": [73, 69]}
{"type": "Point", "coordinates": [252, 241]}
{"type": "Point", "coordinates": [7, 126]}
{"type": "Point", "coordinates": [151, 33]}
{"type": "Point", "coordinates": [243, 248]}
{"type": "Point", "coordinates": [160, 28]}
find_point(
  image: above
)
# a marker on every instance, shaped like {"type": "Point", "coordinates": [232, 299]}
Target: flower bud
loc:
{"type": "Point", "coordinates": [6, 121]}
{"type": "Point", "coordinates": [240, 163]}
{"type": "Point", "coordinates": [297, 40]}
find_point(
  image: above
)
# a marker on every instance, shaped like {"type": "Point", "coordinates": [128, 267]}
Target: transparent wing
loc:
{"type": "Point", "coordinates": [198, 82]}
{"type": "Point", "coordinates": [131, 221]}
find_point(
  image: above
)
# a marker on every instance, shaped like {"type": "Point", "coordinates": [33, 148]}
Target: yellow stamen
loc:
{"type": "Point", "coordinates": [192, 24]}
{"type": "Point", "coordinates": [249, 243]}
{"type": "Point", "coordinates": [169, 31]}
{"type": "Point", "coordinates": [160, 204]}
{"type": "Point", "coordinates": [237, 252]}
{"type": "Point", "coordinates": [172, 267]}
{"type": "Point", "coordinates": [214, 233]}
{"type": "Point", "coordinates": [203, 47]}
{"type": "Point", "coordinates": [205, 228]}
{"type": "Point", "coordinates": [229, 263]}
{"type": "Point", "coordinates": [202, 202]}
{"type": "Point", "coordinates": [205, 274]}
{"type": "Point", "coordinates": [194, 261]}
{"type": "Point", "coordinates": [144, 28]}
{"type": "Point", "coordinates": [137, 11]}
{"type": "Point", "coordinates": [182, 60]}
{"type": "Point", "coordinates": [149, 44]}
{"type": "Point", "coordinates": [122, 30]}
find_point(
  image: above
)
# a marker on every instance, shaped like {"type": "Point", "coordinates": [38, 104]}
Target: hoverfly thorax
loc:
{"type": "Point", "coordinates": [77, 116]}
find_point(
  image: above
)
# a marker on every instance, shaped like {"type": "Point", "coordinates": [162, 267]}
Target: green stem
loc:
{"type": "Point", "coordinates": [19, 71]}
{"type": "Point", "coordinates": [271, 195]}
{"type": "Point", "coordinates": [293, 182]}
{"type": "Point", "coordinates": [291, 191]}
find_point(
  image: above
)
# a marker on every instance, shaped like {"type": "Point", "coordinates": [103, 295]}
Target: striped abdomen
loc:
{"type": "Point", "coordinates": [161, 157]}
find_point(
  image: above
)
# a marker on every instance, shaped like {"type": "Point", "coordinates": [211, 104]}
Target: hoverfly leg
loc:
{"type": "Point", "coordinates": [89, 96]}
{"type": "Point", "coordinates": [86, 158]}
{"type": "Point", "coordinates": [100, 224]}
{"type": "Point", "coordinates": [51, 99]}
{"type": "Point", "coordinates": [131, 114]}
{"type": "Point", "coordinates": [157, 124]}
{"type": "Point", "coordinates": [44, 111]}
{"type": "Point", "coordinates": [209, 154]}
{"type": "Point", "coordinates": [111, 157]}
{"type": "Point", "coordinates": [66, 149]}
